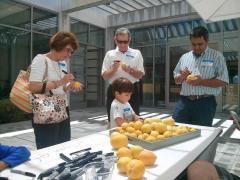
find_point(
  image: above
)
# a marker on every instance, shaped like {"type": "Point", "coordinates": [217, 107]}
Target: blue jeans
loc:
{"type": "Point", "coordinates": [197, 112]}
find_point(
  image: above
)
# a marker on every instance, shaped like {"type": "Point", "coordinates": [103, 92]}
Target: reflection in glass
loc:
{"type": "Point", "coordinates": [161, 34]}
{"type": "Point", "coordinates": [15, 55]}
{"type": "Point", "coordinates": [40, 44]}
{"type": "Point", "coordinates": [143, 36]}
{"type": "Point", "coordinates": [80, 29]}
{"type": "Point", "coordinates": [96, 36]}
{"type": "Point", "coordinates": [14, 14]}
{"type": "Point", "coordinates": [211, 27]}
{"type": "Point", "coordinates": [181, 29]}
{"type": "Point", "coordinates": [159, 76]}
{"type": "Point", "coordinates": [231, 51]}
{"type": "Point", "coordinates": [147, 82]}
{"type": "Point", "coordinates": [77, 68]}
{"type": "Point", "coordinates": [44, 21]}
{"type": "Point", "coordinates": [175, 53]}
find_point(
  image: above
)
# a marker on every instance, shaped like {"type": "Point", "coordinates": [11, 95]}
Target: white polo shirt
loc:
{"type": "Point", "coordinates": [121, 110]}
{"type": "Point", "coordinates": [55, 73]}
{"type": "Point", "coordinates": [131, 57]}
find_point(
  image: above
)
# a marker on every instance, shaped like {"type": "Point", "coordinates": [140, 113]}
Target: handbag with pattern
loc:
{"type": "Point", "coordinates": [48, 108]}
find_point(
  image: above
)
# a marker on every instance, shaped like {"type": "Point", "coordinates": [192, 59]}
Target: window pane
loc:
{"type": "Point", "coordinates": [44, 21]}
{"type": "Point", "coordinates": [96, 36]}
{"type": "Point", "coordinates": [14, 14]}
{"type": "Point", "coordinates": [214, 27]}
{"type": "Point", "coordinates": [15, 55]}
{"type": "Point", "coordinates": [147, 81]}
{"type": "Point", "coordinates": [159, 77]}
{"type": "Point", "coordinates": [161, 34]}
{"type": "Point", "coordinates": [81, 30]}
{"type": "Point", "coordinates": [181, 29]}
{"type": "Point", "coordinates": [231, 53]}
{"type": "Point", "coordinates": [40, 44]}
{"type": "Point", "coordinates": [143, 36]}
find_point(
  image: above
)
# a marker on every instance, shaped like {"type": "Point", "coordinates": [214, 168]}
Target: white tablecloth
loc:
{"type": "Point", "coordinates": [171, 161]}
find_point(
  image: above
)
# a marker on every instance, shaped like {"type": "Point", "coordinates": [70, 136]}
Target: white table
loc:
{"type": "Point", "coordinates": [171, 161]}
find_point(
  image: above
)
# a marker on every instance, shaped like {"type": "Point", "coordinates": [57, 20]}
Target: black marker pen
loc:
{"type": "Point", "coordinates": [65, 72]}
{"type": "Point", "coordinates": [25, 173]}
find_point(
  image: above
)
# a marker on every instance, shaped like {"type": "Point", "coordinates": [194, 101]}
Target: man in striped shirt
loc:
{"type": "Point", "coordinates": [207, 67]}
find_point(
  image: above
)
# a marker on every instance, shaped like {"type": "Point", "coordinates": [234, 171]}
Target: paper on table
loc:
{"type": "Point", "coordinates": [235, 134]}
{"type": "Point", "coordinates": [215, 121]}
{"type": "Point", "coordinates": [226, 123]}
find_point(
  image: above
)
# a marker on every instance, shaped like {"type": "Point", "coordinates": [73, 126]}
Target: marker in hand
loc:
{"type": "Point", "coordinates": [81, 84]}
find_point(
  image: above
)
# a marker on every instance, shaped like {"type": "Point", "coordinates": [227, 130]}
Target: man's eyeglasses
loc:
{"type": "Point", "coordinates": [122, 42]}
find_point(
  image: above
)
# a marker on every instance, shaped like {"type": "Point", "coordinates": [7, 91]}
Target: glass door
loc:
{"type": "Point", "coordinates": [77, 67]}
{"type": "Point", "coordinates": [231, 51]}
{"type": "Point", "coordinates": [159, 75]}
{"type": "Point", "coordinates": [175, 52]}
{"type": "Point", "coordinates": [147, 81]}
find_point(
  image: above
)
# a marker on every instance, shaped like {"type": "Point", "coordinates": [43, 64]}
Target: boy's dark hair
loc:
{"type": "Point", "coordinates": [122, 85]}
{"type": "Point", "coordinates": [198, 32]}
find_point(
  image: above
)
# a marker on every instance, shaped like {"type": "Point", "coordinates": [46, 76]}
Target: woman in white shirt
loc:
{"type": "Point", "coordinates": [62, 46]}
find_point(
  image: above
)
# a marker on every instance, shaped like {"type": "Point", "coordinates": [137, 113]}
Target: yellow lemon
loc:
{"type": "Point", "coordinates": [147, 157]}
{"type": "Point", "coordinates": [124, 125]}
{"type": "Point", "coordinates": [136, 149]}
{"type": "Point", "coordinates": [118, 141]}
{"type": "Point", "coordinates": [146, 128]}
{"type": "Point", "coordinates": [135, 169]}
{"type": "Point", "coordinates": [137, 125]}
{"type": "Point", "coordinates": [122, 164]}
{"type": "Point", "coordinates": [154, 133]}
{"type": "Point", "coordinates": [124, 152]}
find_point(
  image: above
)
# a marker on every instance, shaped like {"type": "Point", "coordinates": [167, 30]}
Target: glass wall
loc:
{"type": "Point", "coordinates": [86, 64]}
{"type": "Point", "coordinates": [231, 51]}
{"type": "Point", "coordinates": [18, 36]}
{"type": "Point", "coordinates": [163, 45]}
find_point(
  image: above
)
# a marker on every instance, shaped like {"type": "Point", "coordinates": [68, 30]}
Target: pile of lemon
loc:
{"type": "Point", "coordinates": [153, 129]}
{"type": "Point", "coordinates": [131, 161]}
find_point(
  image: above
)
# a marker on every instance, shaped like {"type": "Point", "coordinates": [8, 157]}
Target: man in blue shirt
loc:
{"type": "Point", "coordinates": [207, 67]}
{"type": "Point", "coordinates": [11, 156]}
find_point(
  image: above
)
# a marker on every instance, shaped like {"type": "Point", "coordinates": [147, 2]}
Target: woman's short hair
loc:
{"type": "Point", "coordinates": [122, 85]}
{"type": "Point", "coordinates": [61, 39]}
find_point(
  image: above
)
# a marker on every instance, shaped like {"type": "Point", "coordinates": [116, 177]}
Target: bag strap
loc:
{"type": "Point", "coordinates": [45, 75]}
{"type": "Point", "coordinates": [44, 88]}
{"type": "Point", "coordinates": [44, 80]}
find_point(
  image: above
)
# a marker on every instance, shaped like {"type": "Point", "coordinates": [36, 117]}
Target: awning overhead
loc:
{"type": "Point", "coordinates": [216, 10]}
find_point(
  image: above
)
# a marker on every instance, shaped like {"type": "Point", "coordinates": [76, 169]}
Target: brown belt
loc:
{"type": "Point", "coordinates": [197, 97]}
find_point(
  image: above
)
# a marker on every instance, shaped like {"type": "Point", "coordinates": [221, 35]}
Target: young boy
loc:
{"type": "Point", "coordinates": [121, 111]}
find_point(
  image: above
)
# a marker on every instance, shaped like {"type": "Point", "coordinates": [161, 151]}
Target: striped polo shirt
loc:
{"type": "Point", "coordinates": [210, 65]}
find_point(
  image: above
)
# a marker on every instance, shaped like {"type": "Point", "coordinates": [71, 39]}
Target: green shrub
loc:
{"type": "Point", "coordinates": [10, 113]}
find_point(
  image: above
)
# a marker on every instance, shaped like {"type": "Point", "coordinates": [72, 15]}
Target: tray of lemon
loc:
{"type": "Point", "coordinates": [154, 133]}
